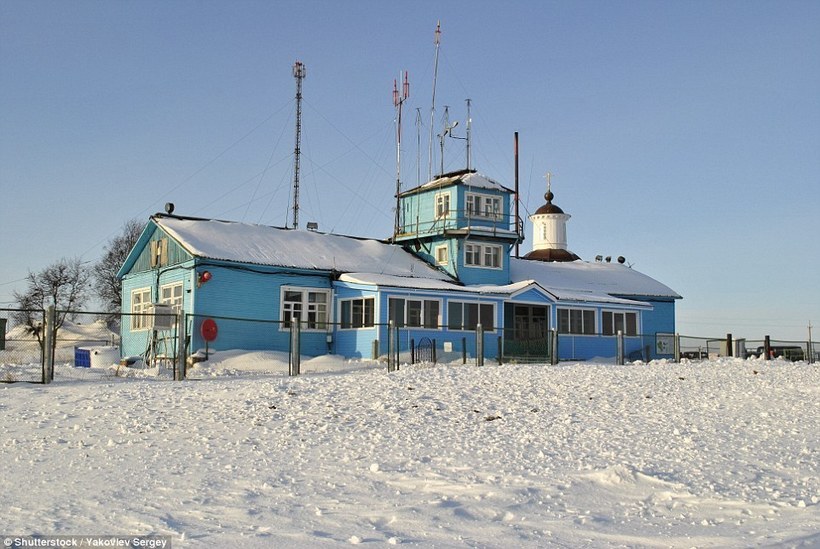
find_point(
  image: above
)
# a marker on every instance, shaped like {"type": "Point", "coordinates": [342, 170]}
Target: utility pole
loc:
{"type": "Point", "coordinates": [299, 73]}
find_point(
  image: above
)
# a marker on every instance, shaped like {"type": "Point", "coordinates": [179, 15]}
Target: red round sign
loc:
{"type": "Point", "coordinates": [208, 329]}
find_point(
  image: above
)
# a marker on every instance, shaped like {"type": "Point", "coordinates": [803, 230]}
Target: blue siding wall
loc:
{"type": "Point", "coordinates": [253, 292]}
{"type": "Point", "coordinates": [135, 342]}
{"type": "Point", "coordinates": [441, 334]}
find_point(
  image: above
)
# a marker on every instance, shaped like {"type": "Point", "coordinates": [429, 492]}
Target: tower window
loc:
{"type": "Point", "coordinates": [442, 205]}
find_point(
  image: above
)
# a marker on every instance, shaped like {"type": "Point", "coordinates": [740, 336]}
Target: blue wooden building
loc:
{"type": "Point", "coordinates": [448, 268]}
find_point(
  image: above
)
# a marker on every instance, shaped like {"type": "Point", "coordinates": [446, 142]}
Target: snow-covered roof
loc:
{"type": "Point", "coordinates": [468, 178]}
{"type": "Point", "coordinates": [560, 294]}
{"type": "Point", "coordinates": [579, 278]}
{"type": "Point", "coordinates": [383, 280]}
{"type": "Point", "coordinates": [264, 245]}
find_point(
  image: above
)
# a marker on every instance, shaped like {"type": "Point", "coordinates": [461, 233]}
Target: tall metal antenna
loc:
{"type": "Point", "coordinates": [418, 145]}
{"type": "Point", "coordinates": [469, 128]}
{"type": "Point", "coordinates": [433, 107]}
{"type": "Point", "coordinates": [398, 100]}
{"type": "Point", "coordinates": [299, 73]}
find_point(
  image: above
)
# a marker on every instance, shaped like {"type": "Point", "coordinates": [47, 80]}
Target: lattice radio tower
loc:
{"type": "Point", "coordinates": [299, 74]}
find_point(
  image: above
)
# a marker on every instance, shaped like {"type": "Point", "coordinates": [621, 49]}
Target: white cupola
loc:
{"type": "Point", "coordinates": [549, 228]}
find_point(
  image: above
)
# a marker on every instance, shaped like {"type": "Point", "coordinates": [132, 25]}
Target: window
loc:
{"type": "Point", "coordinates": [171, 294]}
{"type": "Point", "coordinates": [465, 316]}
{"type": "Point", "coordinates": [625, 322]}
{"type": "Point", "coordinates": [479, 205]}
{"type": "Point", "coordinates": [576, 321]}
{"type": "Point", "coordinates": [140, 307]}
{"type": "Point", "coordinates": [308, 305]}
{"type": "Point", "coordinates": [441, 255]}
{"type": "Point", "coordinates": [417, 313]}
{"type": "Point", "coordinates": [357, 313]}
{"type": "Point", "coordinates": [486, 255]}
{"type": "Point", "coordinates": [442, 205]}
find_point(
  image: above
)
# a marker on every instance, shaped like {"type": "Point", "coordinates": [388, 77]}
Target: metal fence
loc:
{"type": "Point", "coordinates": [21, 354]}
{"type": "Point", "coordinates": [169, 345]}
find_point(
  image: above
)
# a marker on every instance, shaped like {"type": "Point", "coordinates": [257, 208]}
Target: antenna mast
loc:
{"type": "Point", "coordinates": [418, 145]}
{"type": "Point", "coordinates": [398, 100]}
{"type": "Point", "coordinates": [299, 73]}
{"type": "Point", "coordinates": [433, 107]}
{"type": "Point", "coordinates": [469, 128]}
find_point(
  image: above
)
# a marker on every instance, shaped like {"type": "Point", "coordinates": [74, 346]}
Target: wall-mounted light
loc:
{"type": "Point", "coordinates": [203, 277]}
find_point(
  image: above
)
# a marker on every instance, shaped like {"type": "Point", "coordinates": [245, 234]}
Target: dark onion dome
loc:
{"type": "Point", "coordinates": [549, 207]}
{"type": "Point", "coordinates": [552, 254]}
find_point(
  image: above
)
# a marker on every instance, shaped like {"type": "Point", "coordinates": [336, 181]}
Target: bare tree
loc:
{"type": "Point", "coordinates": [63, 284]}
{"type": "Point", "coordinates": [106, 283]}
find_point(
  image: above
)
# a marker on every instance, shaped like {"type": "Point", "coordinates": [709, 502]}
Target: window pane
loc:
{"type": "Point", "coordinates": [487, 319]}
{"type": "Point", "coordinates": [369, 308]}
{"type": "Point", "coordinates": [607, 320]}
{"type": "Point", "coordinates": [431, 314]}
{"type": "Point", "coordinates": [563, 321]}
{"type": "Point", "coordinates": [454, 315]}
{"type": "Point", "coordinates": [346, 320]}
{"type": "Point", "coordinates": [413, 313]}
{"type": "Point", "coordinates": [589, 322]}
{"type": "Point", "coordinates": [395, 308]}
{"type": "Point", "coordinates": [631, 324]}
{"type": "Point", "coordinates": [470, 316]}
{"type": "Point", "coordinates": [618, 321]}
{"type": "Point", "coordinates": [575, 322]}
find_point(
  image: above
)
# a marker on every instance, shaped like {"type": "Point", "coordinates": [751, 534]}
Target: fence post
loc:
{"type": "Point", "coordinates": [729, 350]}
{"type": "Point", "coordinates": [464, 350]}
{"type": "Point", "coordinates": [48, 344]}
{"type": "Point", "coordinates": [182, 359]}
{"type": "Point", "coordinates": [434, 352]}
{"type": "Point", "coordinates": [554, 350]}
{"type": "Point", "coordinates": [479, 345]}
{"type": "Point", "coordinates": [374, 352]}
{"type": "Point", "coordinates": [500, 351]}
{"type": "Point", "coordinates": [391, 347]}
{"type": "Point", "coordinates": [295, 352]}
{"type": "Point", "coordinates": [619, 359]}
{"type": "Point", "coordinates": [412, 351]}
{"type": "Point", "coordinates": [3, 334]}
{"type": "Point", "coordinates": [767, 347]}
{"type": "Point", "coordinates": [677, 347]}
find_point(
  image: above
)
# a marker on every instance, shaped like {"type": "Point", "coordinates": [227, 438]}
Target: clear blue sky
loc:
{"type": "Point", "coordinates": [684, 136]}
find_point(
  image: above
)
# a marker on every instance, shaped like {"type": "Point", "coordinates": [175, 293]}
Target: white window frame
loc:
{"type": "Point", "coordinates": [483, 256]}
{"type": "Point", "coordinates": [442, 254]}
{"type": "Point", "coordinates": [580, 311]}
{"type": "Point", "coordinates": [442, 205]}
{"type": "Point", "coordinates": [486, 206]}
{"type": "Point", "coordinates": [140, 319]}
{"type": "Point", "coordinates": [462, 305]}
{"type": "Point", "coordinates": [423, 312]}
{"type": "Point", "coordinates": [605, 330]}
{"type": "Point", "coordinates": [173, 301]}
{"type": "Point", "coordinates": [351, 322]}
{"type": "Point", "coordinates": [305, 309]}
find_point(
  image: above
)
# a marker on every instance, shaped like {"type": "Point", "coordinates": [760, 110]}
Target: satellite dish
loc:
{"type": "Point", "coordinates": [169, 208]}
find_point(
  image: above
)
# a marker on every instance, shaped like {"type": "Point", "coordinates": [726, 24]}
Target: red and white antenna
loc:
{"type": "Point", "coordinates": [399, 97]}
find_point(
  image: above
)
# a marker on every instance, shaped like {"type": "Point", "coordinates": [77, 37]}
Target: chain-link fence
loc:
{"type": "Point", "coordinates": [21, 345]}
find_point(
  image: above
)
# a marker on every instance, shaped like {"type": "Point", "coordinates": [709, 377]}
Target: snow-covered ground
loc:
{"type": "Point", "coordinates": [712, 454]}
